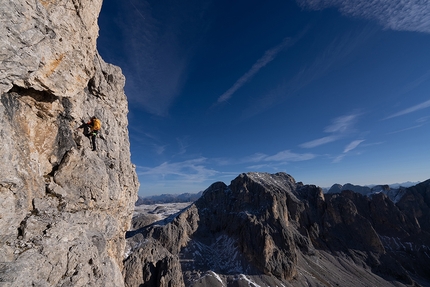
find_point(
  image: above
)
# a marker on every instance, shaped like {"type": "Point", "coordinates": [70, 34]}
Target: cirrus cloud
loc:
{"type": "Point", "coordinates": [268, 57]}
{"type": "Point", "coordinates": [401, 15]}
{"type": "Point", "coordinates": [352, 145]}
{"type": "Point", "coordinates": [415, 108]}
{"type": "Point", "coordinates": [337, 129]}
{"type": "Point", "coordinates": [193, 170]}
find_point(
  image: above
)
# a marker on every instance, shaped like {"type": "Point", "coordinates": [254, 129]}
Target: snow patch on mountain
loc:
{"type": "Point", "coordinates": [396, 244]}
{"type": "Point", "coordinates": [247, 279]}
{"type": "Point", "coordinates": [221, 255]}
{"type": "Point", "coordinates": [160, 212]}
{"type": "Point", "coordinates": [216, 277]}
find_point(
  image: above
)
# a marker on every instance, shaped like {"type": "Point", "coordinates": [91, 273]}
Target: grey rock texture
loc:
{"type": "Point", "coordinates": [64, 209]}
{"type": "Point", "coordinates": [48, 45]}
{"type": "Point", "coordinates": [153, 265]}
{"type": "Point", "coordinates": [267, 230]}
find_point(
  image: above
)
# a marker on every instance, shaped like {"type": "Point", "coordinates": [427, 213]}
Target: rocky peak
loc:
{"type": "Point", "coordinates": [269, 230]}
{"type": "Point", "coordinates": [64, 208]}
{"type": "Point", "coordinates": [259, 204]}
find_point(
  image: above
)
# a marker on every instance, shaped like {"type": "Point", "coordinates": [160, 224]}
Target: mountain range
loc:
{"type": "Point", "coordinates": [268, 230]}
{"type": "Point", "coordinates": [168, 198]}
{"type": "Point", "coordinates": [390, 190]}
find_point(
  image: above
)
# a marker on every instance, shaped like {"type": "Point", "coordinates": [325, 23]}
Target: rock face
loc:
{"type": "Point", "coordinates": [48, 45]}
{"type": "Point", "coordinates": [267, 230]}
{"type": "Point", "coordinates": [64, 209]}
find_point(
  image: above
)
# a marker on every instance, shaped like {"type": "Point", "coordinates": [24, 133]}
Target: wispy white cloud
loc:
{"type": "Point", "coordinates": [406, 129]}
{"type": "Point", "coordinates": [156, 143]}
{"type": "Point", "coordinates": [287, 155]}
{"type": "Point", "coordinates": [156, 73]}
{"type": "Point", "coordinates": [339, 158]}
{"type": "Point", "coordinates": [412, 15]}
{"type": "Point", "coordinates": [137, 10]}
{"type": "Point", "coordinates": [155, 57]}
{"type": "Point", "coordinates": [198, 171]}
{"type": "Point", "coordinates": [415, 108]}
{"type": "Point", "coordinates": [151, 136]}
{"type": "Point", "coordinates": [352, 145]}
{"type": "Point", "coordinates": [182, 145]}
{"type": "Point", "coordinates": [257, 157]}
{"type": "Point", "coordinates": [338, 128]}
{"type": "Point", "coordinates": [341, 124]}
{"type": "Point", "coordinates": [268, 56]}
{"type": "Point", "coordinates": [416, 83]}
{"type": "Point", "coordinates": [423, 119]}
{"type": "Point", "coordinates": [262, 159]}
{"type": "Point", "coordinates": [159, 149]}
{"type": "Point", "coordinates": [194, 170]}
{"type": "Point", "coordinates": [333, 56]}
{"type": "Point", "coordinates": [282, 156]}
{"type": "Point", "coordinates": [259, 167]}
{"type": "Point", "coordinates": [318, 142]}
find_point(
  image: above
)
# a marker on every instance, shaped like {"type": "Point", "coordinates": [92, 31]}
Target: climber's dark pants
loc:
{"type": "Point", "coordinates": [93, 138]}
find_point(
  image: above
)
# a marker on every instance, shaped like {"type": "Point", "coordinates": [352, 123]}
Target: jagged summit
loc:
{"type": "Point", "coordinates": [281, 179]}
{"type": "Point", "coordinates": [394, 193]}
{"type": "Point", "coordinates": [267, 230]}
{"type": "Point", "coordinates": [255, 203]}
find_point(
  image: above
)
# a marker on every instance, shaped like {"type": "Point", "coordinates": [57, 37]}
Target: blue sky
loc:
{"type": "Point", "coordinates": [334, 91]}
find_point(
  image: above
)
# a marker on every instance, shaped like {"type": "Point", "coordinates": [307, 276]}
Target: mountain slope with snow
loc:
{"type": "Point", "coordinates": [267, 230]}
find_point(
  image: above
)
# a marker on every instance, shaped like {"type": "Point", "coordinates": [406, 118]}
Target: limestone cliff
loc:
{"type": "Point", "coordinates": [64, 209]}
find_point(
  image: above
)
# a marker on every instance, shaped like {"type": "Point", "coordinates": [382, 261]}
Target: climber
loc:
{"type": "Point", "coordinates": [91, 129]}
{"type": "Point", "coordinates": [95, 126]}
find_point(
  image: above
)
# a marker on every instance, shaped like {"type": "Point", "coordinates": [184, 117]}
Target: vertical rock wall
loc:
{"type": "Point", "coordinates": [64, 209]}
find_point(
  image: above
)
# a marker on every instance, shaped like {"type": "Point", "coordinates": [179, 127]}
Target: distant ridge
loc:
{"type": "Point", "coordinates": [393, 191]}
{"type": "Point", "coordinates": [404, 184]}
{"type": "Point", "coordinates": [169, 198]}
{"type": "Point", "coordinates": [335, 188]}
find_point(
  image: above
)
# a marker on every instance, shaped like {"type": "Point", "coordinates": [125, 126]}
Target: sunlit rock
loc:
{"type": "Point", "coordinates": [64, 209]}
